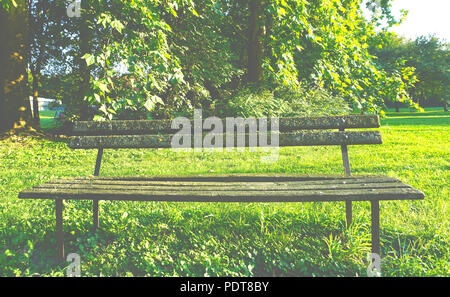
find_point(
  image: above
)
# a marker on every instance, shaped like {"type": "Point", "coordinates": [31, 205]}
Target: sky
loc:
{"type": "Point", "coordinates": [425, 17]}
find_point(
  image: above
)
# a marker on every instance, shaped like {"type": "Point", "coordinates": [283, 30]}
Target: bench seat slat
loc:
{"type": "Point", "coordinates": [137, 183]}
{"type": "Point", "coordinates": [214, 187]}
{"type": "Point", "coordinates": [225, 189]}
{"type": "Point", "coordinates": [227, 196]}
{"type": "Point", "coordinates": [134, 127]}
{"type": "Point", "coordinates": [285, 139]}
{"type": "Point", "coordinates": [239, 177]}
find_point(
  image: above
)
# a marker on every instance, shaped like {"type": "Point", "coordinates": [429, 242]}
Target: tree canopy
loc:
{"type": "Point", "coordinates": [425, 59]}
{"type": "Point", "coordinates": [172, 51]}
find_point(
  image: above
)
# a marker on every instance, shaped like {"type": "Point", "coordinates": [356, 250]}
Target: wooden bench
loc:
{"type": "Point", "coordinates": [226, 188]}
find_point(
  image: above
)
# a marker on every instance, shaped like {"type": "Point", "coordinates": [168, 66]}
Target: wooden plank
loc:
{"type": "Point", "coordinates": [122, 127]}
{"type": "Point", "coordinates": [225, 185]}
{"type": "Point", "coordinates": [219, 182]}
{"type": "Point", "coordinates": [235, 177]}
{"type": "Point", "coordinates": [132, 127]}
{"type": "Point", "coordinates": [212, 187]}
{"type": "Point", "coordinates": [285, 139]}
{"type": "Point", "coordinates": [330, 138]}
{"type": "Point", "coordinates": [227, 196]}
{"type": "Point", "coordinates": [326, 122]}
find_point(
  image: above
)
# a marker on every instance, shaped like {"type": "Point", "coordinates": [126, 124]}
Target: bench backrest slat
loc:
{"type": "Point", "coordinates": [159, 134]}
{"type": "Point", "coordinates": [133, 127]}
{"type": "Point", "coordinates": [285, 139]}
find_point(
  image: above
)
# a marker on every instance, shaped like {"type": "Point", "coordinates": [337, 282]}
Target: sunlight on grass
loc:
{"type": "Point", "coordinates": [195, 239]}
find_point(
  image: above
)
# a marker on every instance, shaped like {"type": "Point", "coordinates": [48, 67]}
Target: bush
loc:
{"type": "Point", "coordinates": [284, 102]}
{"type": "Point", "coordinates": [129, 114]}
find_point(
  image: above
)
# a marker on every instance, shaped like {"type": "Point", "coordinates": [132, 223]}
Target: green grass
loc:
{"type": "Point", "coordinates": [195, 239]}
{"type": "Point", "coordinates": [47, 119]}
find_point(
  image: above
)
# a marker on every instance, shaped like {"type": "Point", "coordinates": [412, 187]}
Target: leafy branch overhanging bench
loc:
{"type": "Point", "coordinates": [227, 188]}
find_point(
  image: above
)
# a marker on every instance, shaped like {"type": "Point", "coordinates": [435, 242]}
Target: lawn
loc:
{"type": "Point", "coordinates": [47, 119]}
{"type": "Point", "coordinates": [195, 239]}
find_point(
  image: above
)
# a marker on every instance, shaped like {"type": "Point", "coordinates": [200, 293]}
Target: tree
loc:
{"type": "Point", "coordinates": [255, 51]}
{"type": "Point", "coordinates": [390, 52]}
{"type": "Point", "coordinates": [175, 54]}
{"type": "Point", "coordinates": [136, 40]}
{"type": "Point", "coordinates": [38, 19]}
{"type": "Point", "coordinates": [422, 64]}
{"type": "Point", "coordinates": [431, 59]}
{"type": "Point", "coordinates": [14, 101]}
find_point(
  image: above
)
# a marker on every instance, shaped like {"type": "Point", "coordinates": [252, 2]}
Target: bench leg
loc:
{"type": "Point", "coordinates": [348, 213]}
{"type": "Point", "coordinates": [98, 163]}
{"type": "Point", "coordinates": [348, 172]}
{"type": "Point", "coordinates": [59, 229]}
{"type": "Point", "coordinates": [375, 209]}
{"type": "Point", "coordinates": [95, 214]}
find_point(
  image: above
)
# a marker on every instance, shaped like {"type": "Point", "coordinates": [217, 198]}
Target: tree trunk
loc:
{"type": "Point", "coordinates": [36, 116]}
{"type": "Point", "coordinates": [255, 72]}
{"type": "Point", "coordinates": [85, 48]}
{"type": "Point", "coordinates": [37, 16]}
{"type": "Point", "coordinates": [397, 107]}
{"type": "Point", "coordinates": [213, 91]}
{"type": "Point", "coordinates": [14, 100]}
{"type": "Point", "coordinates": [446, 106]}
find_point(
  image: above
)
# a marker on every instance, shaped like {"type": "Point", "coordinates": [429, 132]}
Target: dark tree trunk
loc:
{"type": "Point", "coordinates": [255, 45]}
{"type": "Point", "coordinates": [445, 106]}
{"type": "Point", "coordinates": [397, 107]}
{"type": "Point", "coordinates": [85, 48]}
{"type": "Point", "coordinates": [37, 12]}
{"type": "Point", "coordinates": [213, 91]}
{"type": "Point", "coordinates": [14, 101]}
{"type": "Point", "coordinates": [36, 116]}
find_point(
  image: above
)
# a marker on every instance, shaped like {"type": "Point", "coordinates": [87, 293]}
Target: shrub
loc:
{"type": "Point", "coordinates": [284, 102]}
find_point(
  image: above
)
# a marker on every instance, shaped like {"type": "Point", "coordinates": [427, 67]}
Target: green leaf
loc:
{"type": "Point", "coordinates": [97, 98]}
{"type": "Point", "coordinates": [149, 104]}
{"type": "Point", "coordinates": [90, 59]}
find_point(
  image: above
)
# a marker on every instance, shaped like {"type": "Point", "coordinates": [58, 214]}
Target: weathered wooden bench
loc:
{"type": "Point", "coordinates": [226, 188]}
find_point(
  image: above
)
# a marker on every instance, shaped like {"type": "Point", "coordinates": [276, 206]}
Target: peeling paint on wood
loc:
{"type": "Point", "coordinates": [131, 127]}
{"type": "Point", "coordinates": [285, 139]}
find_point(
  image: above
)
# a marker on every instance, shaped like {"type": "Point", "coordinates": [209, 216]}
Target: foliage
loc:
{"type": "Point", "coordinates": [179, 49]}
{"type": "Point", "coordinates": [431, 59]}
{"type": "Point", "coordinates": [285, 102]}
{"type": "Point", "coordinates": [167, 57]}
{"type": "Point", "coordinates": [419, 67]}
{"type": "Point", "coordinates": [15, 113]}
{"type": "Point", "coordinates": [137, 41]}
{"type": "Point", "coordinates": [337, 58]}
{"type": "Point", "coordinates": [8, 4]}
